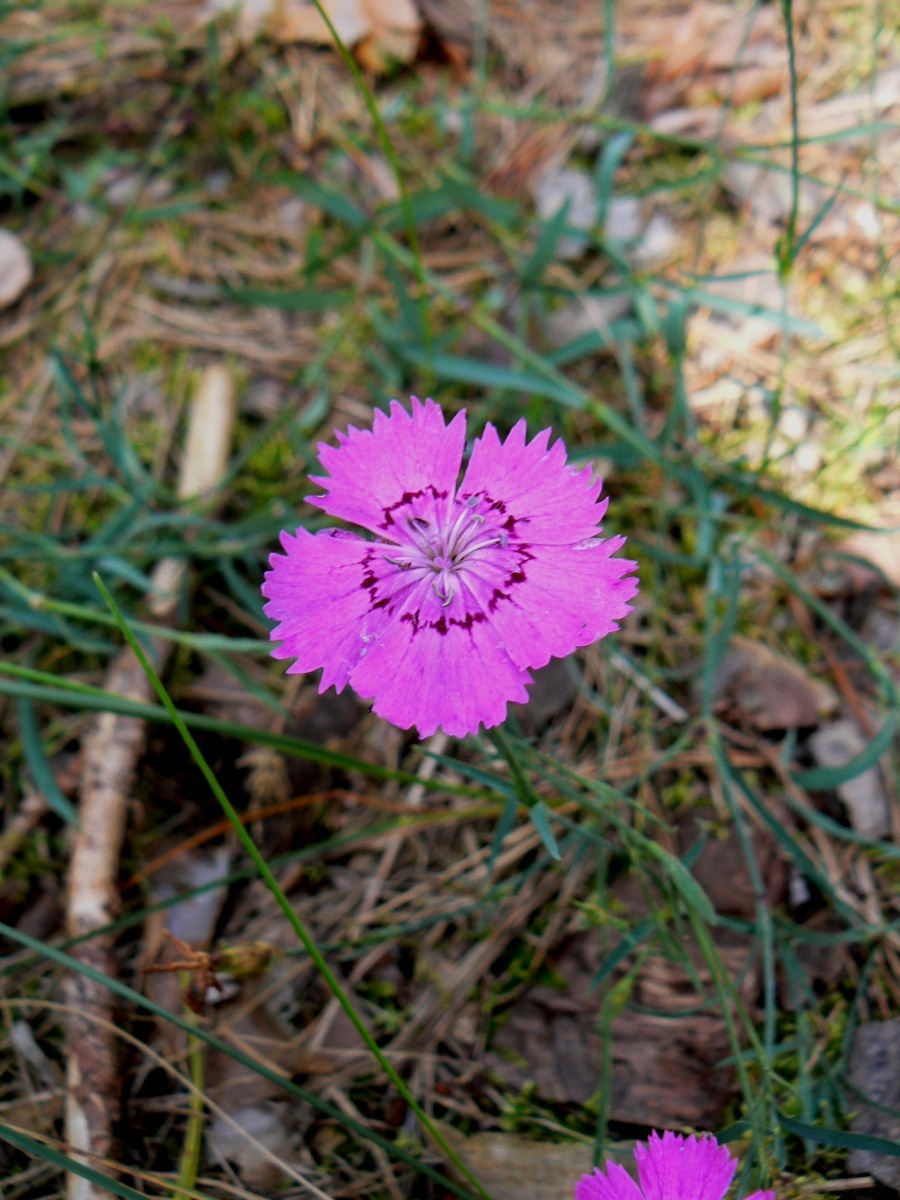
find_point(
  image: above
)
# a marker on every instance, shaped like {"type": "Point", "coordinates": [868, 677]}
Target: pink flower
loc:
{"type": "Point", "coordinates": [464, 587]}
{"type": "Point", "coordinates": [670, 1167]}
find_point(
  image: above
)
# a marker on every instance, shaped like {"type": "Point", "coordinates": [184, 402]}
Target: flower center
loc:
{"type": "Point", "coordinates": [445, 547]}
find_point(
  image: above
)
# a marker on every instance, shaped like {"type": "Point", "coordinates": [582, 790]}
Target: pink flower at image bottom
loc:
{"type": "Point", "coordinates": [463, 588]}
{"type": "Point", "coordinates": [670, 1167]}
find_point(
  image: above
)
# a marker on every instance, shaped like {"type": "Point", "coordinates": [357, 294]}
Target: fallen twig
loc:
{"type": "Point", "coordinates": [111, 752]}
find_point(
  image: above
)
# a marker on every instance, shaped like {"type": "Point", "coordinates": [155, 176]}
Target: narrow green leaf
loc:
{"type": "Point", "coordinates": [164, 212]}
{"type": "Point", "coordinates": [504, 827]}
{"type": "Point", "coordinates": [45, 688]}
{"type": "Point", "coordinates": [617, 333]}
{"type": "Point", "coordinates": [429, 204]}
{"type": "Point", "coordinates": [65, 1163]}
{"type": "Point", "coordinates": [481, 374]}
{"type": "Point", "coordinates": [39, 765]}
{"type": "Point", "coordinates": [818, 219]}
{"type": "Point", "coordinates": [841, 1138]}
{"type": "Point", "coordinates": [608, 163]}
{"type": "Point", "coordinates": [336, 204]}
{"type": "Point", "coordinates": [749, 484]}
{"type": "Point", "coordinates": [742, 308]}
{"type": "Point", "coordinates": [540, 815]}
{"type": "Point", "coordinates": [542, 255]}
{"type": "Point", "coordinates": [472, 199]}
{"type": "Point", "coordinates": [732, 1132]}
{"type": "Point", "coordinates": [628, 943]}
{"type": "Point", "coordinates": [691, 891]}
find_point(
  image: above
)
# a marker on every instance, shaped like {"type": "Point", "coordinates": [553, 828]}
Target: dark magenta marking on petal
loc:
{"type": "Point", "coordinates": [443, 624]}
{"type": "Point", "coordinates": [407, 499]}
{"type": "Point", "coordinates": [515, 577]}
{"type": "Point", "coordinates": [370, 582]}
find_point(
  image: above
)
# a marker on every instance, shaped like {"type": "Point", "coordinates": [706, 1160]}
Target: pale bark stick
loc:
{"type": "Point", "coordinates": [111, 752]}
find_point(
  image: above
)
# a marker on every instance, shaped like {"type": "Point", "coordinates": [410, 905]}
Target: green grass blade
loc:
{"type": "Point", "coordinates": [66, 1163]}
{"type": "Point", "coordinates": [286, 1085]}
{"type": "Point", "coordinates": [281, 899]}
{"type": "Point", "coordinates": [67, 693]}
{"type": "Point", "coordinates": [39, 764]}
{"type": "Point", "coordinates": [841, 1138]}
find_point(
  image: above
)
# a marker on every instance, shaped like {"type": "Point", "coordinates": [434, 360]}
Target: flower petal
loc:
{"type": "Point", "coordinates": [321, 592]}
{"type": "Point", "coordinates": [551, 503]}
{"type": "Point", "coordinates": [672, 1167]}
{"type": "Point", "coordinates": [555, 598]}
{"type": "Point", "coordinates": [439, 667]}
{"type": "Point", "coordinates": [403, 456]}
{"type": "Point", "coordinates": [613, 1184]}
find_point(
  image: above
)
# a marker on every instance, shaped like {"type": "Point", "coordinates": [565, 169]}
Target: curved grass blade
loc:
{"type": "Point", "coordinates": [281, 899]}
{"type": "Point", "coordinates": [50, 1154]}
{"type": "Point", "coordinates": [252, 1064]}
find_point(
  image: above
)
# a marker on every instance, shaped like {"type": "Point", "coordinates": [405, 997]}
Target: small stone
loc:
{"type": "Point", "coordinates": [290, 214]}
{"type": "Point", "coordinates": [554, 689]}
{"type": "Point", "coordinates": [513, 1167]}
{"type": "Point", "coordinates": [16, 271]}
{"type": "Point", "coordinates": [657, 242]}
{"type": "Point", "coordinates": [553, 190]}
{"type": "Point", "coordinates": [864, 796]}
{"type": "Point", "coordinates": [255, 1138]}
{"type": "Point", "coordinates": [125, 187]}
{"type": "Point", "coordinates": [623, 219]}
{"type": "Point", "coordinates": [588, 314]}
{"type": "Point", "coordinates": [875, 1073]}
{"type": "Point", "coordinates": [882, 550]}
{"type": "Point", "coordinates": [867, 220]}
{"type": "Point", "coordinates": [263, 398]}
{"type": "Point", "coordinates": [769, 194]}
{"type": "Point", "coordinates": [218, 182]}
{"type": "Point", "coordinates": [793, 423]}
{"type": "Point", "coordinates": [767, 690]}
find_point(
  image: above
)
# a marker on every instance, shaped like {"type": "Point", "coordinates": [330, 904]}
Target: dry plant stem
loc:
{"type": "Point", "coordinates": [346, 1105]}
{"type": "Point", "coordinates": [195, 1093]}
{"type": "Point", "coordinates": [111, 752]}
{"type": "Point", "coordinates": [414, 798]}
